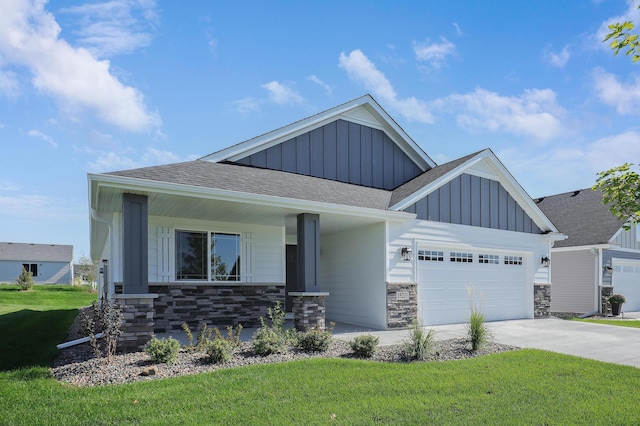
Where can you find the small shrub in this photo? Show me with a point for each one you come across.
(478, 333)
(419, 344)
(364, 346)
(617, 298)
(314, 340)
(220, 351)
(233, 335)
(204, 337)
(189, 334)
(267, 341)
(163, 350)
(106, 318)
(25, 280)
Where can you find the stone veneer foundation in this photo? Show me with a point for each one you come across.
(541, 300)
(605, 292)
(138, 320)
(219, 305)
(308, 310)
(402, 304)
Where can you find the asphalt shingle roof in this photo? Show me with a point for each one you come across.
(253, 180)
(36, 252)
(581, 216)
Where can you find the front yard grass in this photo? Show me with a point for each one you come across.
(33, 322)
(618, 322)
(520, 387)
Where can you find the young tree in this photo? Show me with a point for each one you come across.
(620, 188)
(622, 38)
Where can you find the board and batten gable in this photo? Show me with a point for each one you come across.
(474, 201)
(627, 239)
(343, 151)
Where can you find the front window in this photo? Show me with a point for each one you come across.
(31, 267)
(207, 256)
(225, 257)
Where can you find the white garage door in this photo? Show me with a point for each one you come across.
(626, 281)
(446, 275)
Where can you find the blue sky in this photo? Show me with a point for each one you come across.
(97, 86)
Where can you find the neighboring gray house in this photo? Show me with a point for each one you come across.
(597, 254)
(342, 211)
(49, 263)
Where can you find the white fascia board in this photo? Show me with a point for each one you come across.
(507, 180)
(259, 143)
(143, 185)
(580, 248)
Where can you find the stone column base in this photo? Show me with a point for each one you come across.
(138, 321)
(308, 310)
(541, 300)
(605, 292)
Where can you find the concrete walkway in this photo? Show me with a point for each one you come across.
(608, 343)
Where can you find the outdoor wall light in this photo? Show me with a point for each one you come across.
(407, 253)
(545, 261)
(608, 269)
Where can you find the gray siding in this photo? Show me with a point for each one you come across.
(573, 282)
(628, 239)
(607, 255)
(475, 201)
(342, 151)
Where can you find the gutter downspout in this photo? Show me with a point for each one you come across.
(77, 341)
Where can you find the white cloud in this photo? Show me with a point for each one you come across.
(569, 166)
(281, 94)
(6, 185)
(111, 161)
(50, 209)
(9, 84)
(359, 68)
(246, 105)
(559, 59)
(320, 83)
(434, 53)
(39, 135)
(113, 27)
(535, 113)
(457, 27)
(29, 37)
(624, 97)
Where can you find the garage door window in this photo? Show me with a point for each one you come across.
(489, 258)
(513, 260)
(461, 257)
(431, 255)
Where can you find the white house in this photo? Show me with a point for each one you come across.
(48, 263)
(342, 207)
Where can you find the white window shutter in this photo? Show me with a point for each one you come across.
(247, 257)
(165, 273)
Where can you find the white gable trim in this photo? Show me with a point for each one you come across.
(485, 164)
(364, 110)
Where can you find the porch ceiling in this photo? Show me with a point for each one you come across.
(220, 210)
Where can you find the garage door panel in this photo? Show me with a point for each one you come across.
(626, 281)
(443, 292)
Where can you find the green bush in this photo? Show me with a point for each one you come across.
(364, 346)
(419, 344)
(163, 350)
(25, 280)
(220, 351)
(314, 340)
(477, 330)
(233, 335)
(267, 341)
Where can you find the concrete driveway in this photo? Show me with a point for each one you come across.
(608, 343)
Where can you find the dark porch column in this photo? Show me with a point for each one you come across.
(308, 252)
(135, 257)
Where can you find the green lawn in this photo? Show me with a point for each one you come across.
(33, 322)
(620, 323)
(520, 387)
